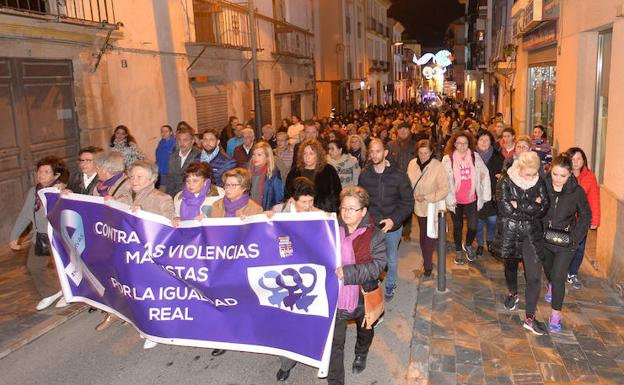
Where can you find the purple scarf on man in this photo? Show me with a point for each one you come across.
(190, 207)
(348, 295)
(231, 207)
(103, 186)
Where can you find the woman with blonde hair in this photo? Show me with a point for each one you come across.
(267, 188)
(312, 163)
(522, 200)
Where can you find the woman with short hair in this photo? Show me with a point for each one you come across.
(363, 258)
(143, 175)
(236, 202)
(357, 148)
(522, 201)
(50, 171)
(199, 194)
(346, 165)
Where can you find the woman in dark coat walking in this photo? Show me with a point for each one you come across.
(569, 212)
(522, 201)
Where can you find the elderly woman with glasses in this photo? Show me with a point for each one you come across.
(236, 202)
(363, 258)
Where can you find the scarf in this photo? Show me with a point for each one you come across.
(423, 165)
(208, 157)
(190, 207)
(514, 175)
(487, 154)
(38, 202)
(103, 186)
(261, 173)
(348, 295)
(231, 207)
(460, 162)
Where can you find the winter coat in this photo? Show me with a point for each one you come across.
(401, 152)
(151, 200)
(433, 184)
(28, 215)
(348, 169)
(481, 180)
(163, 150)
(370, 261)
(390, 194)
(569, 209)
(76, 184)
(220, 164)
(494, 166)
(272, 191)
(588, 182)
(213, 194)
(515, 224)
(242, 156)
(327, 185)
(175, 182)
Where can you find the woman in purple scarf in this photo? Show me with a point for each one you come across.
(363, 258)
(236, 202)
(199, 194)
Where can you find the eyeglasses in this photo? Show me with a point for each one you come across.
(350, 210)
(231, 185)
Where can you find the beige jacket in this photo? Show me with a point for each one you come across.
(120, 189)
(433, 184)
(152, 200)
(251, 208)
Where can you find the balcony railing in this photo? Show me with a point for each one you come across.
(98, 11)
(221, 23)
(293, 42)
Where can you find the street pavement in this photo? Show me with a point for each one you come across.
(461, 336)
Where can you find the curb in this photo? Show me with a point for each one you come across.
(40, 329)
(414, 366)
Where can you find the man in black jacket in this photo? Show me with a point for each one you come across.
(84, 182)
(184, 154)
(391, 201)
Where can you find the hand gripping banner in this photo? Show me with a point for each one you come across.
(258, 286)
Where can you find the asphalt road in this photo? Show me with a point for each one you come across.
(74, 353)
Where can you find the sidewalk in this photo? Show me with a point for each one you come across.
(466, 336)
(20, 323)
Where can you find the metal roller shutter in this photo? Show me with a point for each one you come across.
(212, 108)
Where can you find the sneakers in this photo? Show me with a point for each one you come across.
(459, 258)
(48, 301)
(479, 251)
(548, 295)
(148, 344)
(534, 326)
(61, 303)
(574, 281)
(511, 302)
(389, 295)
(554, 326)
(471, 256)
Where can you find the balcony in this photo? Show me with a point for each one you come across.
(293, 41)
(69, 11)
(223, 24)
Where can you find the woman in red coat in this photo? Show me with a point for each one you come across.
(587, 180)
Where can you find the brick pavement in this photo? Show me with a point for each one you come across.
(466, 336)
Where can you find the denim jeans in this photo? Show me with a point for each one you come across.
(393, 238)
(490, 222)
(575, 265)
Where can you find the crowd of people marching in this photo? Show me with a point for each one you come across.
(375, 168)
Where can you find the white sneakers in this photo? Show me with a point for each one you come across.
(149, 344)
(61, 303)
(47, 301)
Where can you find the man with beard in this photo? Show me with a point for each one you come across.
(212, 154)
(391, 201)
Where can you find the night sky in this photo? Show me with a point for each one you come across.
(426, 20)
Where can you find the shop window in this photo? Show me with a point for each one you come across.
(603, 69)
(541, 98)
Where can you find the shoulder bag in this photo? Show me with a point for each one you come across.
(373, 306)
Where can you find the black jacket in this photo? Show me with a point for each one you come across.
(175, 182)
(364, 274)
(390, 194)
(569, 209)
(327, 185)
(401, 152)
(515, 224)
(76, 184)
(494, 165)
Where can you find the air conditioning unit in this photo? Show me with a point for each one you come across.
(533, 14)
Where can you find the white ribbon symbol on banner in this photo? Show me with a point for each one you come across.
(76, 269)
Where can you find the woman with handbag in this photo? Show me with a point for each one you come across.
(49, 172)
(363, 258)
(430, 185)
(565, 225)
(522, 201)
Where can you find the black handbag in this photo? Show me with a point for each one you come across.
(42, 244)
(556, 237)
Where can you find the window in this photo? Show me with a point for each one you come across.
(541, 98)
(359, 29)
(348, 25)
(602, 102)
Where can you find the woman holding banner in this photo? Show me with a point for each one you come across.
(363, 258)
(49, 171)
(199, 194)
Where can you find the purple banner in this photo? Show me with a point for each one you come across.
(259, 286)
